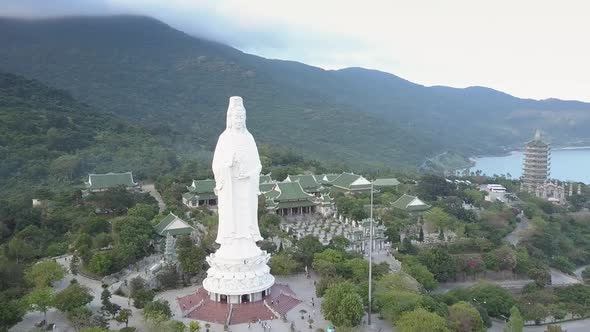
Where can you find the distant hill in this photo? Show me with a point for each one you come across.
(48, 138)
(177, 86)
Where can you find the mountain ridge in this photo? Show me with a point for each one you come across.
(131, 66)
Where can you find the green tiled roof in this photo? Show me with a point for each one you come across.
(319, 178)
(386, 182)
(290, 191)
(272, 194)
(173, 225)
(308, 182)
(347, 181)
(202, 186)
(189, 195)
(265, 178)
(266, 187)
(326, 199)
(405, 201)
(332, 177)
(110, 180)
(292, 204)
(287, 195)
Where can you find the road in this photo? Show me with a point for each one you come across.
(521, 228)
(582, 325)
(151, 189)
(95, 287)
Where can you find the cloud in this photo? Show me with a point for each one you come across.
(529, 48)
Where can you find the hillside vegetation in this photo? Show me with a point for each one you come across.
(177, 86)
(48, 138)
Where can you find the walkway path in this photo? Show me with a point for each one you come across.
(571, 326)
(151, 189)
(521, 228)
(95, 287)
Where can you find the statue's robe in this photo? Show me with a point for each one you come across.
(236, 165)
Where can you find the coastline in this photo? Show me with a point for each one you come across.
(511, 151)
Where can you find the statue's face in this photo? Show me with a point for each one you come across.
(238, 120)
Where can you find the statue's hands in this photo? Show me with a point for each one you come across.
(243, 176)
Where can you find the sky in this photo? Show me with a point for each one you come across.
(528, 48)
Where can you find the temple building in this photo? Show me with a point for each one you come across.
(308, 182)
(200, 193)
(537, 164)
(385, 183)
(411, 204)
(351, 183)
(552, 192)
(289, 199)
(172, 225)
(102, 182)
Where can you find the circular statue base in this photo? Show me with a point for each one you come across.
(238, 280)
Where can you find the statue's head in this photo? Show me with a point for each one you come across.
(236, 114)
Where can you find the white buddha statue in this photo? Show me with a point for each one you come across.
(237, 167)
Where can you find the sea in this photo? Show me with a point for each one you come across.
(567, 164)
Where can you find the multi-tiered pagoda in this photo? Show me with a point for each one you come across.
(537, 164)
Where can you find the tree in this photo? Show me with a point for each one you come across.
(190, 257)
(11, 312)
(465, 317)
(175, 326)
(145, 211)
(432, 186)
(157, 311)
(45, 273)
(420, 320)
(168, 276)
(421, 274)
(437, 217)
(194, 326)
(108, 306)
(20, 249)
(439, 262)
(586, 275)
(101, 263)
(283, 264)
(327, 262)
(75, 264)
(342, 305)
(79, 317)
(123, 316)
(554, 328)
(421, 235)
(74, 296)
(339, 242)
(40, 299)
(307, 247)
(516, 322)
(133, 233)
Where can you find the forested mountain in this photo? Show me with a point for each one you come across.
(177, 86)
(48, 137)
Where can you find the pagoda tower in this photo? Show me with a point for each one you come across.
(537, 164)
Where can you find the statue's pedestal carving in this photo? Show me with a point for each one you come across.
(239, 279)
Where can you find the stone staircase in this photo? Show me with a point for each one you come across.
(283, 303)
(250, 312)
(211, 311)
